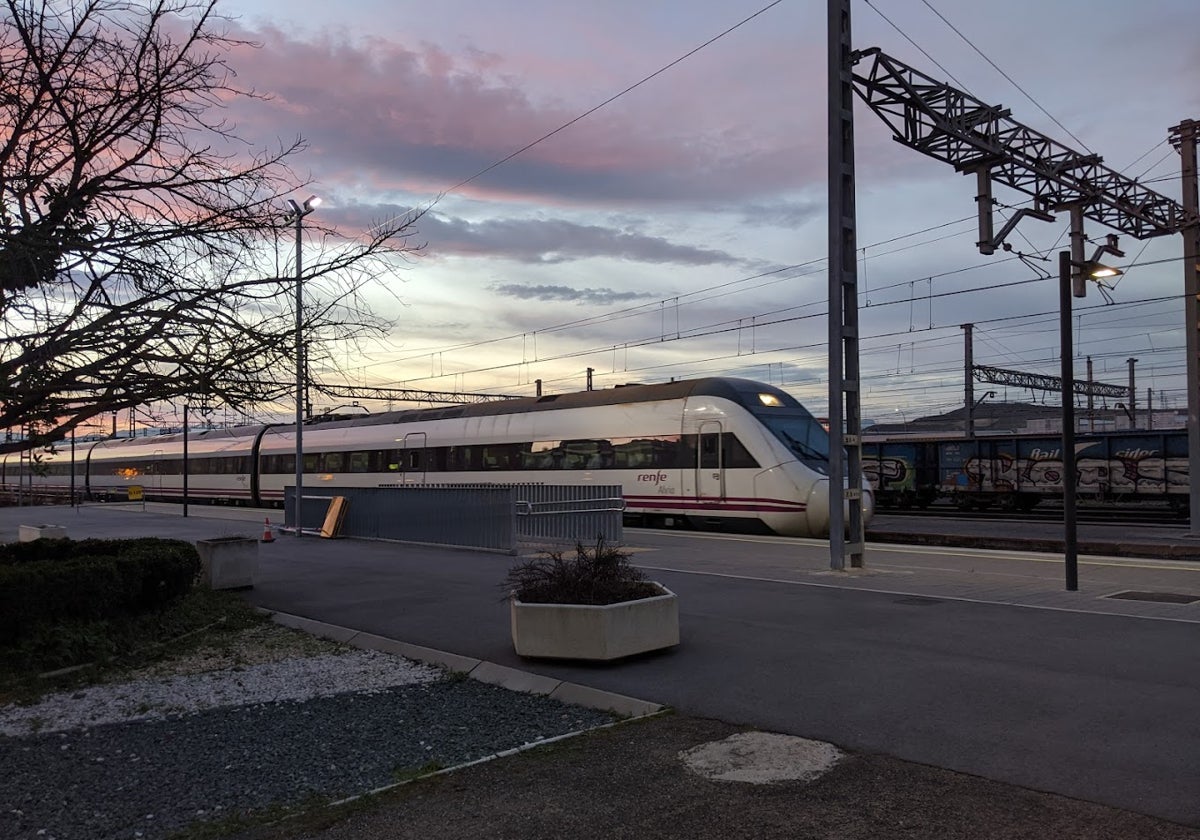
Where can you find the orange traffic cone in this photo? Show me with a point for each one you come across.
(268, 534)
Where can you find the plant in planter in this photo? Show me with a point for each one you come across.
(595, 605)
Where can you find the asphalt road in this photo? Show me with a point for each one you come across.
(1099, 707)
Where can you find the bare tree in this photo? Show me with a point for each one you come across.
(140, 244)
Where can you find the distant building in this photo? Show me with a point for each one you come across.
(1004, 418)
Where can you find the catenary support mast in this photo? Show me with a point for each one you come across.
(846, 532)
(1184, 136)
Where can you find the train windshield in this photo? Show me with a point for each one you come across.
(802, 434)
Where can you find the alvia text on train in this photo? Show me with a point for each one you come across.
(717, 453)
(1019, 471)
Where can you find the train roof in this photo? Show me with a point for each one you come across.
(729, 388)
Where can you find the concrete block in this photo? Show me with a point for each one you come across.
(228, 562)
(29, 533)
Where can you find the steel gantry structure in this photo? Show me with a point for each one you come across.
(1040, 382)
(977, 138)
(974, 137)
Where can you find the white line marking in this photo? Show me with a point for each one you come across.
(935, 596)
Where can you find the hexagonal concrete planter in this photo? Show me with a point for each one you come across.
(581, 631)
(228, 562)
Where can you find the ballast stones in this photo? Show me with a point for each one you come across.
(761, 758)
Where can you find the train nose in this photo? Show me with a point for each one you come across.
(818, 507)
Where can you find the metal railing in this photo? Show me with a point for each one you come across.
(570, 513)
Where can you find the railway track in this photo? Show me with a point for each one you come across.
(1109, 515)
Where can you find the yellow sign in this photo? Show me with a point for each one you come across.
(135, 493)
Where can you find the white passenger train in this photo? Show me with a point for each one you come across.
(714, 453)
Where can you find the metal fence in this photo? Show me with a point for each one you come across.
(494, 517)
(469, 517)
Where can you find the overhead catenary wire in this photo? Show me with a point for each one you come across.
(1007, 77)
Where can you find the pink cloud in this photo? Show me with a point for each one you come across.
(387, 116)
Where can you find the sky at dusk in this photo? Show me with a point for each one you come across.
(680, 230)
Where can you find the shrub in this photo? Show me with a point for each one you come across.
(595, 576)
(47, 582)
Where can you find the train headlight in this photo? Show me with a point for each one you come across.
(770, 400)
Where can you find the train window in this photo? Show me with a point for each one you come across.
(541, 455)
(360, 462)
(462, 458)
(734, 454)
(501, 456)
(802, 434)
(311, 462)
(413, 459)
(710, 457)
(435, 459)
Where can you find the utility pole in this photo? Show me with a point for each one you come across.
(968, 381)
(589, 378)
(1184, 137)
(1132, 394)
(1091, 398)
(846, 533)
(1067, 361)
(1149, 409)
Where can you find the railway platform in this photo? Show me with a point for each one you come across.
(1127, 539)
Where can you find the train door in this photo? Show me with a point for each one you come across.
(152, 481)
(710, 470)
(414, 463)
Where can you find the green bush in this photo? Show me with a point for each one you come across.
(51, 582)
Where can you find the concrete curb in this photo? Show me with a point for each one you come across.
(477, 669)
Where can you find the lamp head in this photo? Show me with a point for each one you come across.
(1099, 271)
(297, 211)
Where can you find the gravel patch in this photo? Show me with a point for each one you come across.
(292, 679)
(761, 758)
(249, 739)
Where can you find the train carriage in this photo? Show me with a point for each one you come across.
(1020, 471)
(715, 453)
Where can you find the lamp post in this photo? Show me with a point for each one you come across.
(297, 214)
(186, 409)
(1072, 277)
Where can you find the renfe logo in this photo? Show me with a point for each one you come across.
(653, 478)
(1045, 454)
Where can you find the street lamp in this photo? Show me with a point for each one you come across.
(1073, 282)
(297, 214)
